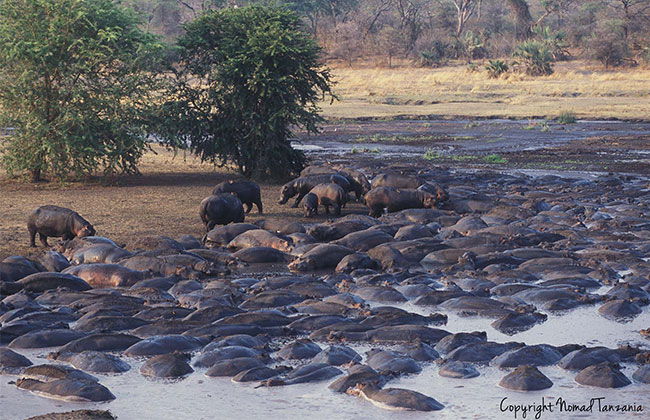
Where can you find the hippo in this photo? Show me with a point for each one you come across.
(107, 275)
(482, 351)
(310, 205)
(100, 342)
(642, 374)
(458, 370)
(330, 195)
(247, 191)
(357, 374)
(300, 349)
(357, 179)
(602, 375)
(619, 310)
(46, 338)
(536, 355)
(395, 181)
(12, 362)
(394, 200)
(260, 373)
(260, 237)
(392, 363)
(304, 184)
(221, 209)
(337, 355)
(337, 229)
(320, 257)
(56, 221)
(311, 372)
(94, 361)
(526, 378)
(234, 366)
(163, 344)
(40, 282)
(98, 253)
(395, 398)
(172, 365)
(53, 261)
(68, 389)
(261, 254)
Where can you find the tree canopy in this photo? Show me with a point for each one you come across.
(246, 78)
(74, 86)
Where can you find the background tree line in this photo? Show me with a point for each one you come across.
(615, 32)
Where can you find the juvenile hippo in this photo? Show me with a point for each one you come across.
(221, 209)
(303, 185)
(394, 200)
(247, 191)
(58, 222)
(310, 205)
(330, 195)
(395, 398)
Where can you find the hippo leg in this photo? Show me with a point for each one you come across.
(249, 207)
(337, 210)
(327, 209)
(43, 239)
(259, 206)
(298, 199)
(32, 238)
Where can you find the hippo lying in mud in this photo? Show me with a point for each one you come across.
(303, 185)
(247, 191)
(395, 181)
(57, 222)
(394, 199)
(221, 209)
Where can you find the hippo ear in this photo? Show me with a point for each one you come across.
(231, 181)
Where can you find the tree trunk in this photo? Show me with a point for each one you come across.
(35, 175)
(523, 19)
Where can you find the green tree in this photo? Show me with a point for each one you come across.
(247, 77)
(73, 86)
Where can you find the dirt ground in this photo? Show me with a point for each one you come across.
(164, 200)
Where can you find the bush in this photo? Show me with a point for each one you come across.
(496, 68)
(608, 47)
(435, 56)
(555, 41)
(536, 57)
(566, 117)
(248, 78)
(76, 84)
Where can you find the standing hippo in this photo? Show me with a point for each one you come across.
(330, 195)
(394, 199)
(304, 184)
(247, 191)
(221, 209)
(358, 181)
(395, 181)
(310, 205)
(57, 221)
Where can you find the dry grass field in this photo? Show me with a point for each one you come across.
(455, 92)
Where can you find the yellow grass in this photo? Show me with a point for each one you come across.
(454, 91)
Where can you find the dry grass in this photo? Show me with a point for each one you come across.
(163, 201)
(455, 91)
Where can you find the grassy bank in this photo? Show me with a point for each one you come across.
(455, 91)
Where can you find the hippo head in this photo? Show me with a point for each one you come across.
(430, 201)
(87, 230)
(286, 193)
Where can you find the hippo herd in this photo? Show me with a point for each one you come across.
(278, 303)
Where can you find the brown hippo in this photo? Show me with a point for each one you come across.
(247, 191)
(107, 275)
(57, 221)
(221, 209)
(357, 179)
(330, 195)
(310, 205)
(260, 237)
(395, 181)
(394, 200)
(304, 184)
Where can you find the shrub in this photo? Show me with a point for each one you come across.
(609, 48)
(536, 57)
(435, 56)
(431, 154)
(496, 68)
(494, 158)
(566, 117)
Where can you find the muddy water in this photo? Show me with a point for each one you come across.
(201, 397)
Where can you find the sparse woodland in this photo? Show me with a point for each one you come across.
(431, 32)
